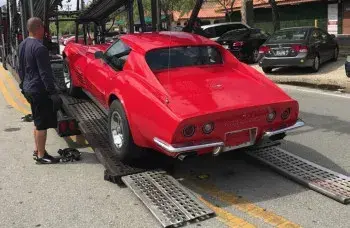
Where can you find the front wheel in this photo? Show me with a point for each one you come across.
(119, 134)
(254, 57)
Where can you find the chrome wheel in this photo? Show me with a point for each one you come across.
(67, 79)
(255, 56)
(117, 129)
(316, 63)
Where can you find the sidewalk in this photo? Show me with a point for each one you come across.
(331, 76)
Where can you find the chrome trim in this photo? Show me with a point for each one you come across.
(298, 124)
(173, 149)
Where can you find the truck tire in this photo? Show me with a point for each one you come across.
(119, 134)
(70, 88)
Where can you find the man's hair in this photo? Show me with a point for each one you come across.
(34, 24)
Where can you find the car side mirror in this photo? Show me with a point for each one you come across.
(98, 55)
(119, 64)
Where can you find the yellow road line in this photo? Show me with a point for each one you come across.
(10, 100)
(13, 88)
(245, 206)
(227, 218)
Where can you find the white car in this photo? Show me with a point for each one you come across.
(214, 31)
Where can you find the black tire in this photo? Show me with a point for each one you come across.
(316, 66)
(267, 70)
(128, 150)
(254, 56)
(348, 74)
(335, 54)
(71, 90)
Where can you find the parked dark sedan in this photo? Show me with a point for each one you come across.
(299, 47)
(347, 67)
(244, 43)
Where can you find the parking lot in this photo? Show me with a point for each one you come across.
(242, 192)
(331, 76)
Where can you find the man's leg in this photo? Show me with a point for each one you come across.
(41, 136)
(35, 140)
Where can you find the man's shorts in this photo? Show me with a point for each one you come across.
(43, 113)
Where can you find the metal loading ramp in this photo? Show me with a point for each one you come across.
(316, 177)
(171, 203)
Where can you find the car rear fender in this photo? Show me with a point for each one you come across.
(147, 115)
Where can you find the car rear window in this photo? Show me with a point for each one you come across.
(289, 35)
(183, 57)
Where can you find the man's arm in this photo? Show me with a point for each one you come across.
(20, 69)
(44, 67)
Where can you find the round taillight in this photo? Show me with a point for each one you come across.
(188, 131)
(271, 116)
(285, 114)
(208, 128)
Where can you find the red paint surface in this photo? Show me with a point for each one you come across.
(233, 95)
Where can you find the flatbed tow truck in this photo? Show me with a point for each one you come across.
(170, 202)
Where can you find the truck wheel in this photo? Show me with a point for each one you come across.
(120, 135)
(267, 70)
(71, 89)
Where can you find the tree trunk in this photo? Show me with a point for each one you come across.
(247, 13)
(275, 15)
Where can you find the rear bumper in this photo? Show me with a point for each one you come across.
(298, 61)
(218, 146)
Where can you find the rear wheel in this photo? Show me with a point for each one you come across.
(70, 88)
(335, 54)
(120, 135)
(316, 65)
(267, 70)
(348, 74)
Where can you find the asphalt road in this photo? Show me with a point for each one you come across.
(242, 193)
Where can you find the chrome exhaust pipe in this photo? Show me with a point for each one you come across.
(183, 156)
(217, 150)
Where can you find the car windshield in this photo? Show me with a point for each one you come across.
(289, 35)
(183, 56)
(235, 34)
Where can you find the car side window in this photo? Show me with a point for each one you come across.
(117, 54)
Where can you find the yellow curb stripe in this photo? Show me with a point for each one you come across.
(10, 100)
(14, 88)
(227, 218)
(246, 206)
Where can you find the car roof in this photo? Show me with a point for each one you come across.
(225, 23)
(144, 42)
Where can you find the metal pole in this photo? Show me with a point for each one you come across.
(131, 15)
(154, 15)
(23, 18)
(31, 8)
(142, 15)
(159, 16)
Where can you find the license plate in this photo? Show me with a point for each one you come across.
(234, 139)
(281, 52)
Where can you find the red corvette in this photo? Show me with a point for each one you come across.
(178, 93)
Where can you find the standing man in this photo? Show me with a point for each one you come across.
(37, 85)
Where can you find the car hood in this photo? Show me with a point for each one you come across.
(202, 90)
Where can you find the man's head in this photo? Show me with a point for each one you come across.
(35, 27)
